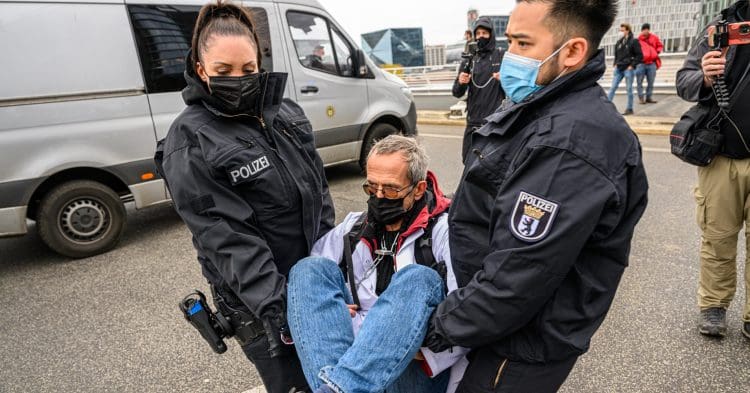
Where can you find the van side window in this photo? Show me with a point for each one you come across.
(163, 34)
(318, 46)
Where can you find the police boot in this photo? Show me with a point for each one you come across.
(713, 322)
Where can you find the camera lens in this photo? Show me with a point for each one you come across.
(745, 29)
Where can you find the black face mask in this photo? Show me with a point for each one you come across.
(238, 94)
(385, 211)
(483, 44)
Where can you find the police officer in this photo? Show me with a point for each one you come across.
(245, 177)
(482, 80)
(722, 193)
(543, 218)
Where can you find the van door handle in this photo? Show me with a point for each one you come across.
(309, 89)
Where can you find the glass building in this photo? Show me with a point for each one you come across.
(402, 47)
(674, 21)
(710, 9)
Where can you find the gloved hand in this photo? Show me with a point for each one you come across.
(279, 338)
(433, 340)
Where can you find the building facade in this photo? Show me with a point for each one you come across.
(434, 55)
(401, 47)
(674, 21)
(710, 9)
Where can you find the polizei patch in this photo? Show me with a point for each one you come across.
(532, 217)
(247, 171)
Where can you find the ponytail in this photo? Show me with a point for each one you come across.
(225, 19)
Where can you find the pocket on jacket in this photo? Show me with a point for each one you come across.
(485, 372)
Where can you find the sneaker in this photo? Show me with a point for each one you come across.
(746, 329)
(713, 322)
(628, 112)
(641, 100)
(650, 101)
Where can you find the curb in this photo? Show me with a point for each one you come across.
(641, 126)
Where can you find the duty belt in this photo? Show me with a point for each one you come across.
(246, 326)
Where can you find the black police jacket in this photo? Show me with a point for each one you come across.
(484, 101)
(690, 84)
(628, 52)
(541, 224)
(251, 190)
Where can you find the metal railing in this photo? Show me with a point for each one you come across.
(438, 80)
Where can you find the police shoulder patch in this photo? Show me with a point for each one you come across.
(532, 217)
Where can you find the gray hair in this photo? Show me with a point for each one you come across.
(413, 153)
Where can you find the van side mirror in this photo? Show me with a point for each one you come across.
(362, 70)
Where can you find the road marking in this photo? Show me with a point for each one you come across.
(441, 136)
(647, 149)
(656, 150)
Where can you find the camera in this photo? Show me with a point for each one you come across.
(728, 34)
(225, 322)
(469, 57)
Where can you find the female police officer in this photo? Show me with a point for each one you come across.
(244, 175)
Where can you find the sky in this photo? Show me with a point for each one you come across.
(442, 22)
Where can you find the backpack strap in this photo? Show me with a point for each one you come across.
(426, 257)
(351, 239)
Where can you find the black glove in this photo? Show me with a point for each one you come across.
(279, 338)
(434, 340)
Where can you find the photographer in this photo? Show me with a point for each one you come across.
(480, 73)
(722, 192)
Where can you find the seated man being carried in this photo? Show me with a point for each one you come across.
(358, 308)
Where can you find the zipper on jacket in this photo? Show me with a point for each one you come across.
(500, 372)
(292, 138)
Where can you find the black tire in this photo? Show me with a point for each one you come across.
(374, 134)
(81, 218)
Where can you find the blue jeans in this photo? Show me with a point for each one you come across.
(628, 75)
(381, 356)
(647, 71)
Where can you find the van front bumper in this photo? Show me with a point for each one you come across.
(13, 221)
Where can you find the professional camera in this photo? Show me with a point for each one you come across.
(720, 37)
(728, 34)
(226, 322)
(469, 57)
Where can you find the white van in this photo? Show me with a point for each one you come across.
(86, 90)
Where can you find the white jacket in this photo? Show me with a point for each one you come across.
(331, 246)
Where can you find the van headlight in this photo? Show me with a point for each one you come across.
(407, 92)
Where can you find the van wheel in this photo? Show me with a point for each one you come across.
(81, 218)
(376, 133)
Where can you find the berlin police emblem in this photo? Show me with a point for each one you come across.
(532, 217)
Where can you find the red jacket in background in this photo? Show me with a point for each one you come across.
(651, 46)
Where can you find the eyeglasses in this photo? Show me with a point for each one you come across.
(389, 192)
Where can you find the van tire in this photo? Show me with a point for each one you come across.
(374, 134)
(81, 218)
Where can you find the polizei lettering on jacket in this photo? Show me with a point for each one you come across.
(245, 172)
(532, 217)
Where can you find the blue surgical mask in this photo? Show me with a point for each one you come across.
(518, 74)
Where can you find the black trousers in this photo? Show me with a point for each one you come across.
(470, 128)
(489, 372)
(280, 374)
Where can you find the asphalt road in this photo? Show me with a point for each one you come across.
(110, 323)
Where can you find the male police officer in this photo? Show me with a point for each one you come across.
(485, 93)
(722, 193)
(543, 218)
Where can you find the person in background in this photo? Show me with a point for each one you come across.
(627, 57)
(315, 59)
(468, 37)
(722, 193)
(480, 76)
(651, 47)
